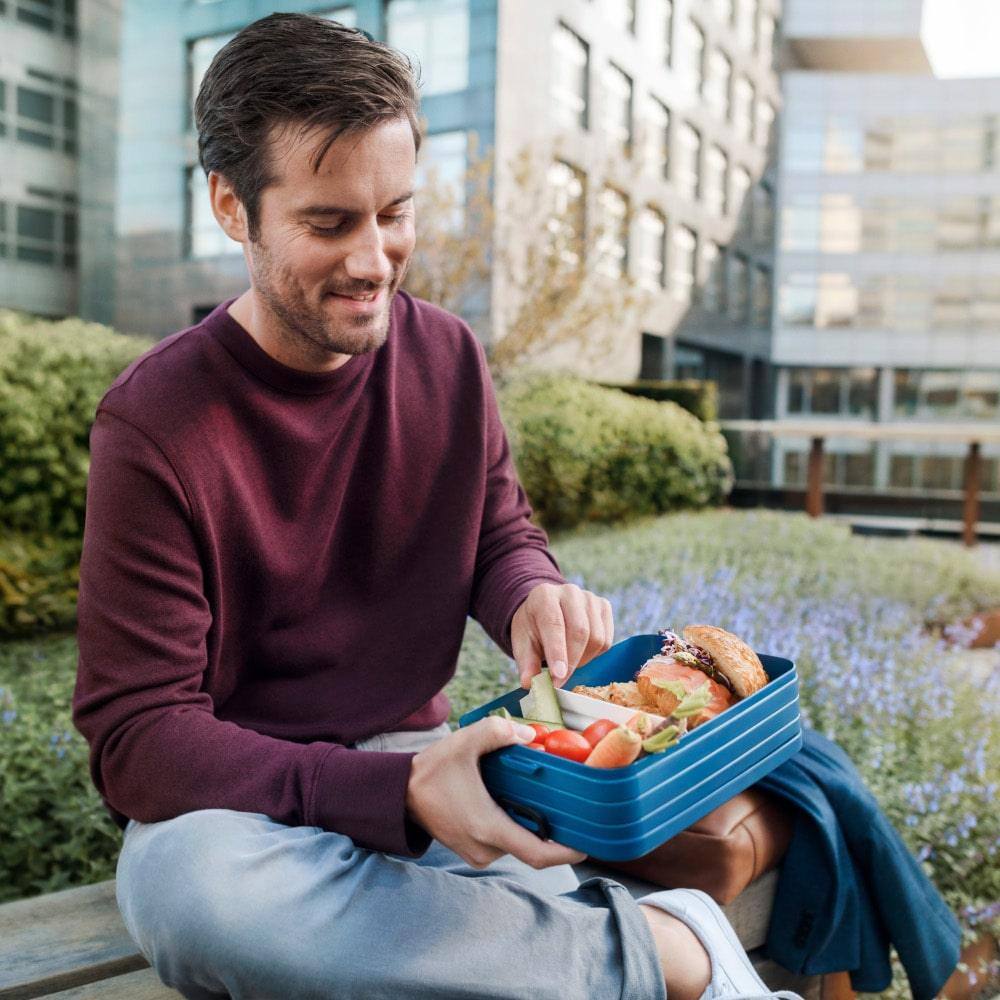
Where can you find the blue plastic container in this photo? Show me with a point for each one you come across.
(621, 813)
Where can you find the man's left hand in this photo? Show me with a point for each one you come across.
(562, 625)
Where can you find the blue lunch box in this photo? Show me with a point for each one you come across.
(617, 814)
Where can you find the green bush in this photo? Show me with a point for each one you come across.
(57, 833)
(52, 376)
(39, 576)
(586, 453)
(699, 398)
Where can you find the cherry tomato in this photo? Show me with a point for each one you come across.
(541, 731)
(596, 731)
(535, 746)
(566, 743)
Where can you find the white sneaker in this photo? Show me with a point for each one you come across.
(733, 975)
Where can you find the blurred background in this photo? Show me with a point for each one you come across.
(799, 203)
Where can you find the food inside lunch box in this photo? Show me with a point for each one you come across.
(694, 677)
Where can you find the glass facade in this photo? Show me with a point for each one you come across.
(570, 78)
(435, 33)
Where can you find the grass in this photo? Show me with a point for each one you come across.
(862, 617)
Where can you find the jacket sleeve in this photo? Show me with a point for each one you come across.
(512, 555)
(157, 750)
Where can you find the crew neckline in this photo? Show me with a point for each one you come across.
(245, 349)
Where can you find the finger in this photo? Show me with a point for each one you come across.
(576, 615)
(514, 839)
(527, 655)
(596, 642)
(549, 628)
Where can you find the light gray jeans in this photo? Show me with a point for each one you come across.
(232, 904)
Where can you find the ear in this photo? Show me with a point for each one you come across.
(227, 207)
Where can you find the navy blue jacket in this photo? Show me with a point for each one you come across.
(849, 887)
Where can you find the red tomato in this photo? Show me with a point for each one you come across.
(565, 743)
(596, 731)
(541, 732)
(535, 746)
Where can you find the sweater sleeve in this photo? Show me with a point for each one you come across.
(512, 556)
(157, 749)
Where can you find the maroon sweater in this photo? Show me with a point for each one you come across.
(278, 563)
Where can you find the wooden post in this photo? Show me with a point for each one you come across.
(973, 463)
(814, 482)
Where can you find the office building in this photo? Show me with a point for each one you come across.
(58, 112)
(657, 115)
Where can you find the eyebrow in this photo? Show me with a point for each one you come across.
(334, 210)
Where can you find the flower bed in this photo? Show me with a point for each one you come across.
(864, 621)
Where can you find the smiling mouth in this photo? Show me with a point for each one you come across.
(365, 297)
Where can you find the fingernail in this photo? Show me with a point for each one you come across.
(524, 732)
(559, 669)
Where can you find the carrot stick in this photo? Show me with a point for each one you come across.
(619, 747)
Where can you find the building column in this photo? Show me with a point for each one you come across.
(883, 415)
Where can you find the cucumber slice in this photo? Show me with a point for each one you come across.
(540, 704)
(504, 714)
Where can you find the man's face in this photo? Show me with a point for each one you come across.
(327, 237)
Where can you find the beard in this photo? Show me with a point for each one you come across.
(305, 324)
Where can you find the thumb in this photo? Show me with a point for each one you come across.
(492, 733)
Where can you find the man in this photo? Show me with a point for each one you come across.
(292, 509)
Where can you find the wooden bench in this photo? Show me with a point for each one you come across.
(72, 945)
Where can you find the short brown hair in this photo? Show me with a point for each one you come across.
(295, 69)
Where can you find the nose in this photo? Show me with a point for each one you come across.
(366, 259)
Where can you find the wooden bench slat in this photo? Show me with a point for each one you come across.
(62, 940)
(142, 985)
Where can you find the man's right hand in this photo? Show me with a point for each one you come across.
(447, 797)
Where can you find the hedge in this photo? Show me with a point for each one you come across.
(699, 398)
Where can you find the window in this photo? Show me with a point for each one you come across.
(763, 216)
(612, 243)
(652, 249)
(861, 392)
(937, 395)
(763, 122)
(55, 16)
(653, 360)
(618, 107)
(3, 229)
(714, 186)
(765, 36)
(567, 223)
(713, 281)
(201, 52)
(744, 96)
(739, 293)
(657, 132)
(682, 270)
(738, 192)
(667, 30)
(691, 56)
(623, 12)
(205, 237)
(442, 164)
(43, 236)
(761, 297)
(570, 78)
(3, 108)
(836, 301)
(725, 11)
(687, 158)
(435, 33)
(717, 77)
(46, 119)
(746, 17)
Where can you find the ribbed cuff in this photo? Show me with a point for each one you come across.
(362, 794)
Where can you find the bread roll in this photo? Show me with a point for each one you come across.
(732, 656)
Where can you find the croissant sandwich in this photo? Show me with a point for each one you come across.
(695, 676)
